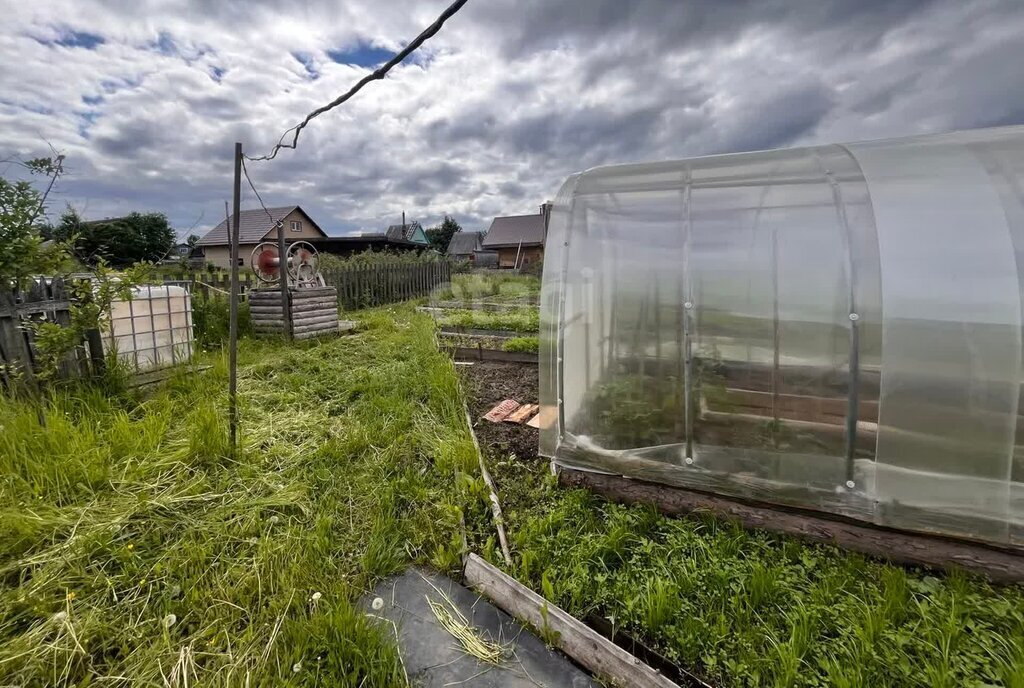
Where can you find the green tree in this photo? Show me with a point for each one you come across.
(24, 250)
(121, 241)
(441, 235)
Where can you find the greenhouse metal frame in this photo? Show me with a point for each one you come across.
(835, 328)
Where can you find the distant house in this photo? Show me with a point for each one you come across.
(183, 252)
(518, 239)
(255, 226)
(404, 237)
(464, 245)
(412, 232)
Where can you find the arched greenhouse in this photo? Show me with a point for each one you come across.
(835, 327)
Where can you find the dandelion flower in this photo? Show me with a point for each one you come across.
(316, 596)
(297, 667)
(71, 595)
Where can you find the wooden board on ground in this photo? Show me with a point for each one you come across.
(897, 546)
(522, 414)
(501, 411)
(570, 635)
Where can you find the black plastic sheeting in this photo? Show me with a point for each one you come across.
(434, 658)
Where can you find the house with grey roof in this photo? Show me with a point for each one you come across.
(255, 226)
(465, 245)
(518, 239)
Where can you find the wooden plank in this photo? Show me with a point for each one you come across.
(304, 307)
(312, 334)
(521, 414)
(330, 317)
(451, 329)
(588, 648)
(502, 411)
(316, 313)
(897, 546)
(465, 353)
(317, 327)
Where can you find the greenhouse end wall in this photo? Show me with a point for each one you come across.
(835, 327)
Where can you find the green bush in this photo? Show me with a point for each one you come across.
(366, 258)
(210, 317)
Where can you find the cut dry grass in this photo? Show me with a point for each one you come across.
(134, 549)
(457, 625)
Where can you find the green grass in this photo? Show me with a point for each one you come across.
(133, 545)
(493, 286)
(524, 320)
(135, 549)
(754, 609)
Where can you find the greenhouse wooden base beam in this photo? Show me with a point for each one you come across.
(899, 547)
(586, 646)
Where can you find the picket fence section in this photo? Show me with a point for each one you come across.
(45, 300)
(359, 286)
(364, 286)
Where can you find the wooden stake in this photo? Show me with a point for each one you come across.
(232, 226)
(499, 520)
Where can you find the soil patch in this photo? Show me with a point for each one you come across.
(488, 383)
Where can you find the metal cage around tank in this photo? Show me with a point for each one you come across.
(835, 327)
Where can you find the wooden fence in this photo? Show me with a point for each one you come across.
(374, 285)
(359, 286)
(46, 300)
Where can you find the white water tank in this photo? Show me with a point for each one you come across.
(153, 329)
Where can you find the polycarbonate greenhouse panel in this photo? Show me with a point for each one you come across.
(835, 327)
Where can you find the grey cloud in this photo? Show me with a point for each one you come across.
(514, 97)
(673, 25)
(780, 120)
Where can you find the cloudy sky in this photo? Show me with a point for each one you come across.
(146, 98)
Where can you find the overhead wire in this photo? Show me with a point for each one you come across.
(259, 198)
(377, 74)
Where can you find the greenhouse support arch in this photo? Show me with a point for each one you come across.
(835, 328)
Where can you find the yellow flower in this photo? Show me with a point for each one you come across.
(142, 582)
(130, 547)
(71, 595)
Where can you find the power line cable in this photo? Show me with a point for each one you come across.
(379, 73)
(253, 187)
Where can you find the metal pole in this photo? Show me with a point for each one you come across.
(286, 311)
(232, 226)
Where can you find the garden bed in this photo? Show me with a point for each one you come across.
(489, 383)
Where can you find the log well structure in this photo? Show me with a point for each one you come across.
(313, 312)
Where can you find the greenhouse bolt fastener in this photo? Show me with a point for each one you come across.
(854, 317)
(688, 305)
(689, 461)
(850, 484)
